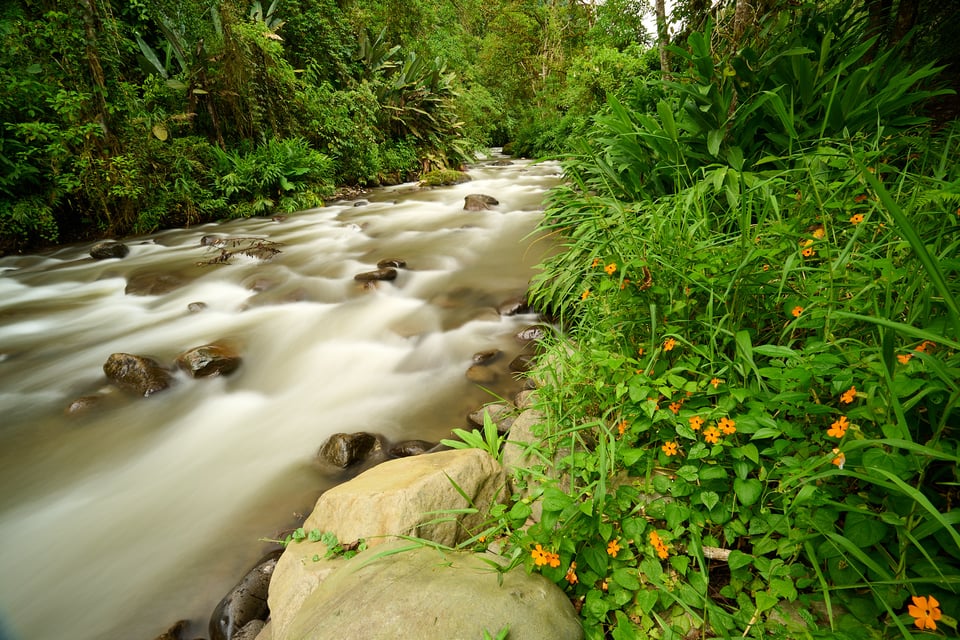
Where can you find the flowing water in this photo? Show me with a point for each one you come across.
(117, 522)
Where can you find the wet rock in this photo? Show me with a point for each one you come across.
(174, 632)
(499, 413)
(209, 360)
(396, 263)
(532, 334)
(486, 357)
(388, 273)
(345, 449)
(152, 284)
(196, 307)
(503, 163)
(212, 241)
(514, 306)
(409, 448)
(479, 202)
(83, 405)
(522, 363)
(361, 203)
(109, 249)
(480, 374)
(250, 630)
(136, 374)
(246, 602)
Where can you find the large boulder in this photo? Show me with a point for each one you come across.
(427, 594)
(209, 360)
(405, 497)
(136, 374)
(400, 497)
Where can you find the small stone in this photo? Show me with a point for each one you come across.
(486, 357)
(514, 306)
(531, 334)
(481, 375)
(109, 249)
(345, 449)
(409, 448)
(209, 360)
(196, 307)
(479, 202)
(83, 404)
(388, 273)
(396, 263)
(522, 363)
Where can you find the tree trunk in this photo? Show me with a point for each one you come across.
(663, 37)
(91, 26)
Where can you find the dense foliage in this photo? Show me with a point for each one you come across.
(751, 406)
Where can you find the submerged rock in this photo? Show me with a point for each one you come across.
(209, 360)
(387, 273)
(137, 374)
(410, 448)
(396, 263)
(152, 284)
(481, 374)
(486, 357)
(514, 306)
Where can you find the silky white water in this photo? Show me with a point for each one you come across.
(142, 511)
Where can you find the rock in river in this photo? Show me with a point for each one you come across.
(137, 374)
(209, 360)
(246, 602)
(345, 449)
(109, 249)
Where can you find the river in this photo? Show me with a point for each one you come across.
(142, 511)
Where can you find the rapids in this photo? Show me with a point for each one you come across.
(118, 522)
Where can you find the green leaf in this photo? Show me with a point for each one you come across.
(738, 559)
(709, 499)
(765, 601)
(626, 578)
(714, 138)
(748, 491)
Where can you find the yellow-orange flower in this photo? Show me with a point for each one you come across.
(839, 428)
(669, 448)
(819, 233)
(856, 218)
(766, 267)
(541, 557)
(809, 252)
(610, 268)
(727, 425)
(839, 458)
(715, 382)
(571, 576)
(926, 346)
(796, 311)
(847, 396)
(659, 545)
(669, 344)
(925, 612)
(613, 548)
(675, 407)
(622, 426)
(712, 435)
(904, 358)
(696, 422)
(595, 263)
(586, 292)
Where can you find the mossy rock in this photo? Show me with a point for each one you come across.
(443, 177)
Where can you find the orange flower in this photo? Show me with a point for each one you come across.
(696, 422)
(623, 285)
(669, 344)
(669, 448)
(622, 427)
(595, 263)
(766, 267)
(926, 346)
(715, 382)
(571, 576)
(728, 426)
(925, 611)
(839, 428)
(712, 435)
(840, 459)
(847, 396)
(553, 559)
(641, 351)
(797, 310)
(819, 233)
(539, 556)
(659, 545)
(809, 252)
(904, 358)
(610, 268)
(586, 292)
(856, 218)
(675, 407)
(613, 548)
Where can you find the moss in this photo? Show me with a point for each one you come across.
(441, 177)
